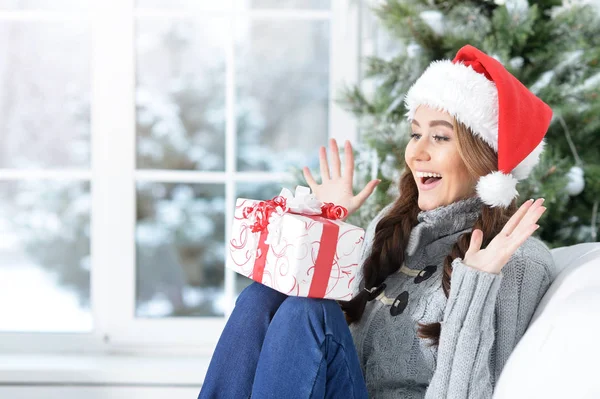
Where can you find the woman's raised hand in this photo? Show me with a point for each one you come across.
(335, 187)
(518, 228)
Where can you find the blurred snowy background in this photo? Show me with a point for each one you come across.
(281, 100)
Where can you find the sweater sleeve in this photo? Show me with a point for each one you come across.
(485, 317)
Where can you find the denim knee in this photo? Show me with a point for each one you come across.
(259, 293)
(300, 308)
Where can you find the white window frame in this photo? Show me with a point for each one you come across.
(113, 176)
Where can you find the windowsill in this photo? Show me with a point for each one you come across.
(28, 369)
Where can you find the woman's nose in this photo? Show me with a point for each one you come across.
(421, 150)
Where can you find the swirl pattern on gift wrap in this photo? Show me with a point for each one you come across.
(281, 270)
(357, 242)
(240, 244)
(281, 282)
(242, 250)
(239, 215)
(342, 268)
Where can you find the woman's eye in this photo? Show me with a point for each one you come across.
(440, 138)
(415, 136)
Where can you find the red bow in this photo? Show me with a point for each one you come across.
(262, 211)
(333, 212)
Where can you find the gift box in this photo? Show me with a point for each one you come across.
(296, 245)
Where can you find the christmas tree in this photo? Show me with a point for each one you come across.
(553, 48)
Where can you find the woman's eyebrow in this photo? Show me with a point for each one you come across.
(435, 123)
(441, 123)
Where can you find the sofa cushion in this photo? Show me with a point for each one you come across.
(558, 355)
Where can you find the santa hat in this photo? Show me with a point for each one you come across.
(481, 94)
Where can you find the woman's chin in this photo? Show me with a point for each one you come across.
(428, 202)
(427, 205)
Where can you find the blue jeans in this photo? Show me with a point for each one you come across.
(275, 346)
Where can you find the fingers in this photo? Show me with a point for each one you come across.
(476, 241)
(335, 159)
(526, 227)
(516, 218)
(309, 179)
(348, 161)
(533, 215)
(530, 217)
(366, 192)
(520, 237)
(324, 166)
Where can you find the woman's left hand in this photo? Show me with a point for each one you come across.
(518, 228)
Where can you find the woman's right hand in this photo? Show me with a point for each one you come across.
(334, 187)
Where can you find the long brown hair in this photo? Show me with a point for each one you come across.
(393, 230)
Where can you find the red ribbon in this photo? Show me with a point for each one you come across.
(333, 212)
(261, 257)
(262, 211)
(328, 241)
(325, 258)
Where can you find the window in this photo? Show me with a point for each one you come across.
(45, 167)
(131, 127)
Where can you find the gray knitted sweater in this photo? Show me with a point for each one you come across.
(482, 320)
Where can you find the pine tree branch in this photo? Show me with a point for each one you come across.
(578, 160)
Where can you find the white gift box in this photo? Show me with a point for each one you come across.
(298, 255)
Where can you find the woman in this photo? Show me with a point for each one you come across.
(450, 274)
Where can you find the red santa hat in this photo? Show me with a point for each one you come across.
(480, 93)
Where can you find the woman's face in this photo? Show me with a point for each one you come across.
(432, 155)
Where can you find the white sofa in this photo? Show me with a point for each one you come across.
(559, 355)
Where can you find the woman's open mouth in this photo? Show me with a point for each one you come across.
(428, 180)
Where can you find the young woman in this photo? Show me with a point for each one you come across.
(450, 275)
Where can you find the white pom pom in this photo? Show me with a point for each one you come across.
(497, 189)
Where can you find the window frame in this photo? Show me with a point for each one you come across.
(113, 176)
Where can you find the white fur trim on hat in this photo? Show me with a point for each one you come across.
(465, 94)
(497, 189)
(523, 169)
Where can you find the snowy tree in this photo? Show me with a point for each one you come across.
(554, 49)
